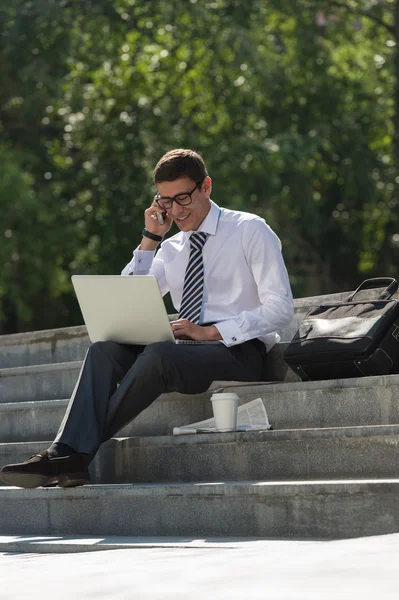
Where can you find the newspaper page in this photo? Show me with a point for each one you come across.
(251, 416)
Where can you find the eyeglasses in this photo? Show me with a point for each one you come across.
(183, 199)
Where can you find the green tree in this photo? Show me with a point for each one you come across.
(292, 105)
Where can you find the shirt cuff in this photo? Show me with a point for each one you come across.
(142, 261)
(230, 332)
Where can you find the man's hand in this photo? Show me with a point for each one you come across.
(152, 225)
(184, 329)
(151, 222)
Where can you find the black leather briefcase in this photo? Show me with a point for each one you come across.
(349, 339)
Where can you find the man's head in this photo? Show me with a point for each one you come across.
(181, 175)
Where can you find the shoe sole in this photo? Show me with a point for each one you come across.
(73, 479)
(33, 480)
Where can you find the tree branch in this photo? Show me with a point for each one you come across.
(363, 13)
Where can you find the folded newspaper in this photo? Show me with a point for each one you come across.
(251, 416)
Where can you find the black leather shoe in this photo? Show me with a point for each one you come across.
(42, 469)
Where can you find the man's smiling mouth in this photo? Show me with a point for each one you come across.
(182, 218)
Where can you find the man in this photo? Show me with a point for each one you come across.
(227, 278)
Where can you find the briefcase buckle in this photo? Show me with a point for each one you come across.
(395, 333)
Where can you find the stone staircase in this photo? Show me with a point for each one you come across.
(327, 470)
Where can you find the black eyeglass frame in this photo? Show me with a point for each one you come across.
(159, 198)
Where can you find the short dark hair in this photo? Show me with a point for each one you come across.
(180, 162)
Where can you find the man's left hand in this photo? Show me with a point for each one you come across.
(184, 329)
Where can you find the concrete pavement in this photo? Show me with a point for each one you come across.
(208, 569)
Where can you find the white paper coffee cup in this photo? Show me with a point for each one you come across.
(225, 411)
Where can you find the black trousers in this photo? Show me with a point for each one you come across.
(99, 407)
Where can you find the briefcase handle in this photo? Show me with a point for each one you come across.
(392, 287)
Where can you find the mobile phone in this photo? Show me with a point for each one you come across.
(160, 217)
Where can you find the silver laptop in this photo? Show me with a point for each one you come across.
(124, 309)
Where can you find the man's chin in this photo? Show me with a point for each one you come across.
(183, 225)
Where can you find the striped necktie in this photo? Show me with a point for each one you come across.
(191, 302)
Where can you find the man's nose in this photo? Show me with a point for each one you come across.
(177, 209)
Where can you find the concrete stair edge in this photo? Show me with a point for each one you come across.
(254, 436)
(350, 402)
(81, 329)
(299, 303)
(277, 368)
(80, 543)
(71, 343)
(55, 380)
(297, 509)
(322, 453)
(40, 368)
(241, 488)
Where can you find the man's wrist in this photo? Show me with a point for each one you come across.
(152, 236)
(147, 244)
(150, 240)
(214, 333)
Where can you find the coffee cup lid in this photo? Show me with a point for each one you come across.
(224, 396)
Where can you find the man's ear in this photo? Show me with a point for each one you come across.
(207, 186)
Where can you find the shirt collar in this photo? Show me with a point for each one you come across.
(209, 224)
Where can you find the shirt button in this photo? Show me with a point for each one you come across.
(234, 339)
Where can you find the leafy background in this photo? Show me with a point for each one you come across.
(293, 104)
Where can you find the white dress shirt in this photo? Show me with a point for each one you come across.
(247, 292)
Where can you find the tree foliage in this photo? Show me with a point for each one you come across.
(291, 104)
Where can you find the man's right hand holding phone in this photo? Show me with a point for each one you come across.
(156, 223)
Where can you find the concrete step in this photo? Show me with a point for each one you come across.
(79, 543)
(306, 454)
(348, 402)
(323, 509)
(57, 380)
(70, 343)
(31, 421)
(331, 453)
(43, 347)
(38, 382)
